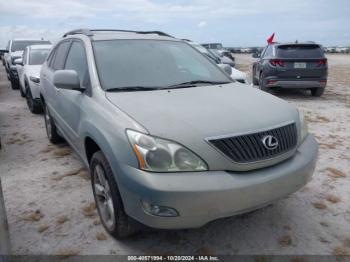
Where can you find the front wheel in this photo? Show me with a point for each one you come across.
(108, 200)
(33, 105)
(318, 91)
(51, 129)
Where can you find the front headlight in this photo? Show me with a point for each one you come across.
(160, 155)
(35, 79)
(303, 127)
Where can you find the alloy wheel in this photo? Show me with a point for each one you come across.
(103, 197)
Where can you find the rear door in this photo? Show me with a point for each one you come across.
(301, 61)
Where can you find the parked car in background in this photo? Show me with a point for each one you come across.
(28, 68)
(291, 65)
(168, 137)
(225, 59)
(216, 58)
(15, 49)
(2, 54)
(216, 46)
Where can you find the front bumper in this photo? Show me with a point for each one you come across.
(200, 197)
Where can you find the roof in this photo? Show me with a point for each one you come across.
(29, 39)
(110, 34)
(36, 47)
(296, 43)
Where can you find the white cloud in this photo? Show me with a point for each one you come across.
(202, 24)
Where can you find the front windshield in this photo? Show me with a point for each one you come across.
(21, 45)
(38, 56)
(151, 63)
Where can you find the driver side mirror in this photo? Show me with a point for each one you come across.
(226, 68)
(67, 79)
(18, 61)
(256, 55)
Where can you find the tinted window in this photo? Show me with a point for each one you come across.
(38, 56)
(60, 56)
(76, 60)
(300, 51)
(151, 63)
(21, 45)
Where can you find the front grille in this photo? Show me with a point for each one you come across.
(250, 148)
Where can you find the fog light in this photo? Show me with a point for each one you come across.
(160, 211)
(271, 82)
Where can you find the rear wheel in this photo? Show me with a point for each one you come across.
(318, 91)
(254, 79)
(33, 105)
(51, 129)
(262, 86)
(108, 200)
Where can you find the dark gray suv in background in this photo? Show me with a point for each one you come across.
(291, 65)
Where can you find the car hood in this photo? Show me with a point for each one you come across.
(33, 70)
(189, 115)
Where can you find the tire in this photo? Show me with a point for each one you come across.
(14, 84)
(50, 126)
(254, 80)
(108, 200)
(262, 86)
(34, 106)
(317, 92)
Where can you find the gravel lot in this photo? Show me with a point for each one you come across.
(50, 207)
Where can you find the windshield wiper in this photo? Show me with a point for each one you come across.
(132, 89)
(195, 82)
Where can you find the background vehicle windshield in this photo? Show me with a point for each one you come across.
(151, 63)
(300, 51)
(37, 57)
(21, 45)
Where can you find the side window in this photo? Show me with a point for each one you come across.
(59, 56)
(76, 60)
(8, 46)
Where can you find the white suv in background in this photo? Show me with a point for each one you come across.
(15, 50)
(28, 68)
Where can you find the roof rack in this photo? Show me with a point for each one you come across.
(90, 32)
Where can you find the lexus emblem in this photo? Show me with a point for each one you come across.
(270, 142)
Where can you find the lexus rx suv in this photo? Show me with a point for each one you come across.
(167, 136)
(15, 48)
(291, 65)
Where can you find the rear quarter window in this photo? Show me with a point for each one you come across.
(300, 51)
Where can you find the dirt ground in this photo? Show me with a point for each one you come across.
(50, 204)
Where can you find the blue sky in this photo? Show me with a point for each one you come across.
(232, 22)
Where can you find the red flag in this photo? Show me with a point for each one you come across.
(270, 39)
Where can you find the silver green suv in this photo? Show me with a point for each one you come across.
(170, 139)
